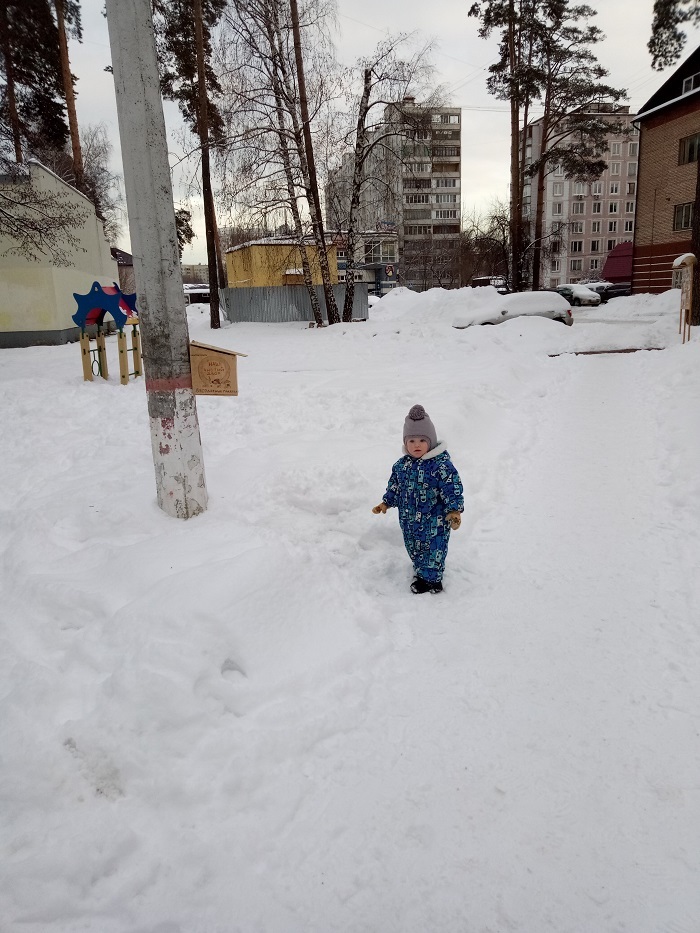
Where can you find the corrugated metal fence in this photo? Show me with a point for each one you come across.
(284, 303)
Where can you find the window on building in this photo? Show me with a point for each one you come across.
(614, 187)
(578, 207)
(418, 230)
(688, 149)
(555, 246)
(612, 226)
(576, 227)
(575, 246)
(597, 187)
(579, 187)
(556, 265)
(417, 198)
(445, 215)
(615, 168)
(631, 187)
(613, 207)
(631, 168)
(445, 182)
(611, 244)
(557, 189)
(595, 226)
(683, 216)
(629, 226)
(615, 149)
(559, 170)
(595, 246)
(453, 118)
(689, 84)
(629, 207)
(633, 150)
(594, 264)
(597, 207)
(576, 265)
(557, 208)
(445, 198)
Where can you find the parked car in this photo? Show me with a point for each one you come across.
(617, 290)
(597, 287)
(196, 294)
(518, 304)
(578, 295)
(498, 282)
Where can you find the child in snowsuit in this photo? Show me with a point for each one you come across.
(427, 490)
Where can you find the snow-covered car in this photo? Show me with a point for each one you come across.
(598, 287)
(518, 304)
(578, 295)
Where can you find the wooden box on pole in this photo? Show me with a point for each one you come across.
(214, 370)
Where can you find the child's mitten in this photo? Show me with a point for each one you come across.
(455, 520)
(380, 509)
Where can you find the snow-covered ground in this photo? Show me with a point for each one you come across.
(246, 723)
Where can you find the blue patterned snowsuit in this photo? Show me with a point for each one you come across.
(424, 491)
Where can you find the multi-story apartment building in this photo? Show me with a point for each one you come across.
(585, 221)
(669, 143)
(412, 186)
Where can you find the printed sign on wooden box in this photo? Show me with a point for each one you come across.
(214, 370)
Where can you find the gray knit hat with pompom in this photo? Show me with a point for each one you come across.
(418, 424)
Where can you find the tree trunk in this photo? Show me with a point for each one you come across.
(208, 197)
(695, 311)
(539, 216)
(516, 219)
(78, 169)
(360, 149)
(172, 407)
(315, 201)
(10, 82)
(278, 89)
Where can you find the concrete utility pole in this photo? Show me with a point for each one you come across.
(177, 450)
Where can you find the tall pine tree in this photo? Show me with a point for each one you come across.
(183, 37)
(546, 62)
(32, 106)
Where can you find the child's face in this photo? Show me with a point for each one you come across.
(417, 446)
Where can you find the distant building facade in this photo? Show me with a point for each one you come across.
(413, 185)
(375, 262)
(195, 273)
(587, 220)
(125, 266)
(670, 137)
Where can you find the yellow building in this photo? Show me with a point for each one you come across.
(36, 296)
(274, 261)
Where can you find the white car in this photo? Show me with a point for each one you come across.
(518, 304)
(579, 295)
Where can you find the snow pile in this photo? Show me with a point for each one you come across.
(247, 721)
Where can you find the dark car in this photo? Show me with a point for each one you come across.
(618, 290)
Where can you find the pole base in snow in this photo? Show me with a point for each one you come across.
(177, 455)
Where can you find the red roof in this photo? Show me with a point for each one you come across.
(618, 265)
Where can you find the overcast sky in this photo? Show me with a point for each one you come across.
(461, 59)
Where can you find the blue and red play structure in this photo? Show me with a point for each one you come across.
(92, 308)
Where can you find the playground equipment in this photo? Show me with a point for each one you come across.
(101, 300)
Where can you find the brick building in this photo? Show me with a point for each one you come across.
(668, 175)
